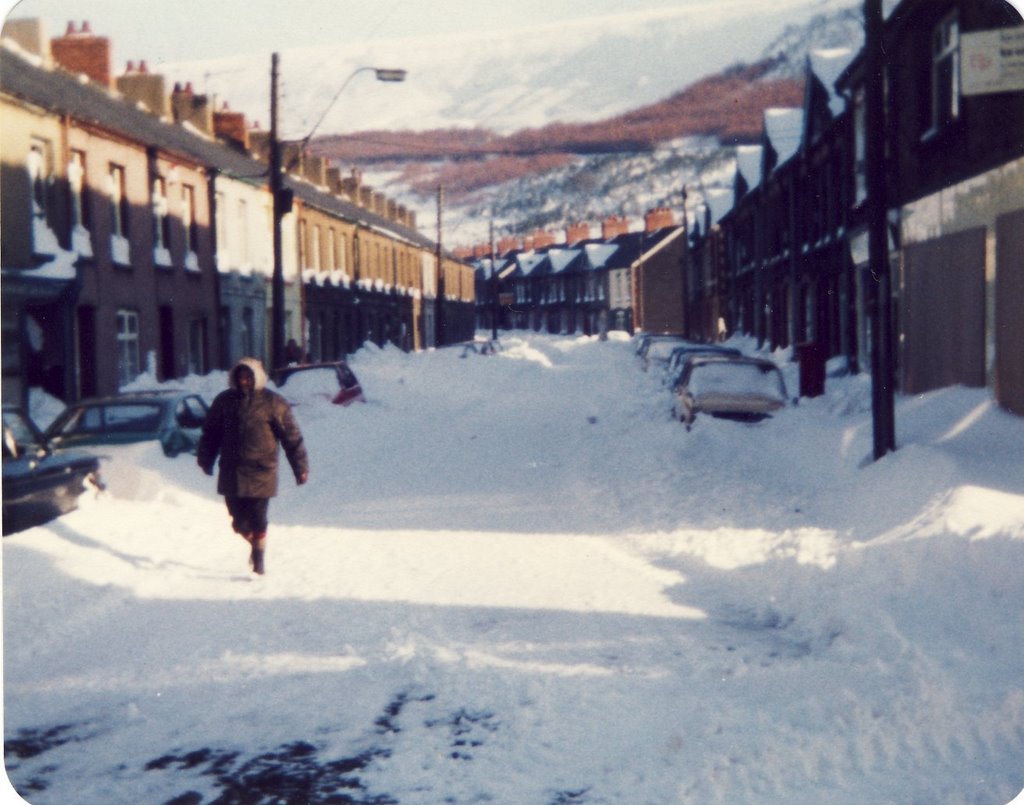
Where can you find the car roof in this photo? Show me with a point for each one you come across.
(293, 367)
(748, 360)
(134, 396)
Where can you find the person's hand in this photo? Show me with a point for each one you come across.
(301, 478)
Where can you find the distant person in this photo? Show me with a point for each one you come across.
(245, 425)
(292, 352)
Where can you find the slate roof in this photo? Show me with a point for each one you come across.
(62, 93)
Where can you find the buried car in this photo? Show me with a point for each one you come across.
(331, 380)
(172, 417)
(747, 389)
(40, 483)
(680, 355)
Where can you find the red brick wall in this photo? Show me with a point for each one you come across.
(81, 52)
(231, 125)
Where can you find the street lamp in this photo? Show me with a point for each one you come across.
(282, 200)
(387, 75)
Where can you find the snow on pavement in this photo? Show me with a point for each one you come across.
(514, 579)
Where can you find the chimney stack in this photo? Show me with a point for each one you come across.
(140, 86)
(30, 35)
(507, 244)
(350, 185)
(187, 107)
(574, 233)
(230, 126)
(542, 239)
(78, 51)
(658, 218)
(613, 226)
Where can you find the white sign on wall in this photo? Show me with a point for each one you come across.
(992, 61)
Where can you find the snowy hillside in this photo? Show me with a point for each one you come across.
(515, 579)
(587, 70)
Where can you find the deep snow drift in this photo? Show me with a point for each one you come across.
(514, 579)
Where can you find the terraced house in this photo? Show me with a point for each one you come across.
(783, 254)
(796, 264)
(137, 233)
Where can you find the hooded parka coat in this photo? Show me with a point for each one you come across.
(245, 430)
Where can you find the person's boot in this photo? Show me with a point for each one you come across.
(251, 539)
(259, 546)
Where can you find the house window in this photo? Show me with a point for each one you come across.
(161, 223)
(118, 201)
(188, 218)
(243, 235)
(860, 149)
(315, 249)
(117, 195)
(332, 249)
(945, 72)
(342, 251)
(197, 346)
(40, 171)
(220, 219)
(76, 188)
(127, 346)
(78, 209)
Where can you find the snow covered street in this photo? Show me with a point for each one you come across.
(514, 579)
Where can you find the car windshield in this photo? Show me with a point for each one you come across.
(20, 428)
(19, 434)
(746, 379)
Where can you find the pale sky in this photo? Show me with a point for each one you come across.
(184, 30)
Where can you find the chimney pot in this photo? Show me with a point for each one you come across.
(130, 67)
(70, 30)
(86, 28)
(143, 67)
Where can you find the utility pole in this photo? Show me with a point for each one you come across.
(276, 187)
(439, 317)
(882, 368)
(687, 270)
(494, 284)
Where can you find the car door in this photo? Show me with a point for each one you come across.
(189, 416)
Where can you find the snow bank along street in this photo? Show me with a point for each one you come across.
(515, 579)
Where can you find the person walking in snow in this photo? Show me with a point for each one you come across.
(245, 426)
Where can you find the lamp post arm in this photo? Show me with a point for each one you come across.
(353, 74)
(388, 75)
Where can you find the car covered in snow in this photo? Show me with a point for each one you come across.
(729, 387)
(40, 482)
(655, 348)
(679, 356)
(479, 346)
(330, 380)
(173, 417)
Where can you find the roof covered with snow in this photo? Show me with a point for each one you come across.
(827, 66)
(748, 164)
(783, 128)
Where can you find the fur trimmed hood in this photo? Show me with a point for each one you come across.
(257, 369)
